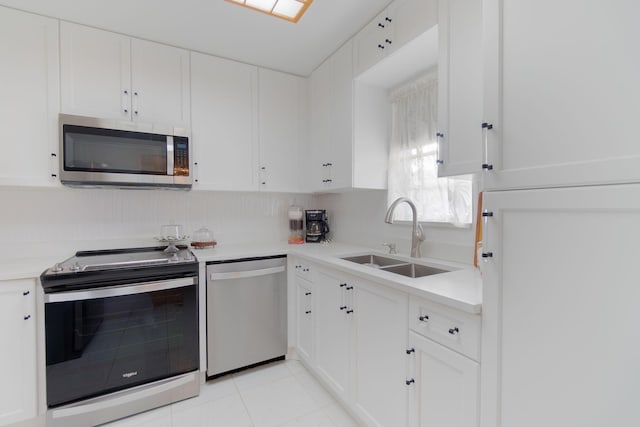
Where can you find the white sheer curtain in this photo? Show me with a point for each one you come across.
(413, 171)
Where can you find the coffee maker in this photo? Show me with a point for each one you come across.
(317, 227)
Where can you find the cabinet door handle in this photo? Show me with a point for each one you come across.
(342, 285)
(307, 293)
(349, 311)
(54, 164)
(387, 41)
(344, 307)
(423, 318)
(307, 312)
(349, 288)
(380, 24)
(27, 317)
(411, 350)
(439, 142)
(409, 382)
(25, 293)
(486, 127)
(380, 46)
(454, 330)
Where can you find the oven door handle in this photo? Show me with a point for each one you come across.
(245, 274)
(116, 291)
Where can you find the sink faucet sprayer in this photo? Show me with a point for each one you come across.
(417, 234)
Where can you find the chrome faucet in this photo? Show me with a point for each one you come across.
(417, 234)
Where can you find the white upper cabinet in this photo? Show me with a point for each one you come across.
(282, 130)
(30, 84)
(459, 87)
(399, 23)
(562, 92)
(224, 123)
(108, 75)
(331, 121)
(160, 83)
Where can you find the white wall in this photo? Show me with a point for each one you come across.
(60, 221)
(358, 217)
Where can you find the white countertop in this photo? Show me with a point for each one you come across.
(460, 289)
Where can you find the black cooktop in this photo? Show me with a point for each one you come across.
(113, 267)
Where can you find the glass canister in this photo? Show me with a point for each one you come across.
(296, 225)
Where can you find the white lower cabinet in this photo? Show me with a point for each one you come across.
(444, 386)
(379, 355)
(18, 357)
(332, 332)
(304, 318)
(360, 346)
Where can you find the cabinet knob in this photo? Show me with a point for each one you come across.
(387, 41)
(54, 155)
(25, 293)
(329, 164)
(349, 288)
(487, 167)
(487, 254)
(409, 382)
(344, 307)
(126, 92)
(135, 93)
(380, 46)
(411, 350)
(329, 180)
(423, 318)
(487, 214)
(263, 168)
(349, 311)
(135, 112)
(342, 285)
(307, 293)
(307, 312)
(487, 126)
(440, 162)
(27, 317)
(380, 24)
(126, 111)
(387, 19)
(264, 183)
(454, 330)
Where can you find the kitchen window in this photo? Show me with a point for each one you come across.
(413, 152)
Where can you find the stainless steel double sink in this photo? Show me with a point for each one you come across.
(394, 265)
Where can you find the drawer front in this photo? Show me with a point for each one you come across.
(454, 329)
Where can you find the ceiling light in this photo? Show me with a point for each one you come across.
(290, 10)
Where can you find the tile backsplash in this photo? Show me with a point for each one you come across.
(59, 221)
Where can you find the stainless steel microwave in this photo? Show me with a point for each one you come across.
(100, 152)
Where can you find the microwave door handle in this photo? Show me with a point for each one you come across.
(169, 155)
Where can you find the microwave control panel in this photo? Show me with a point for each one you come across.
(181, 156)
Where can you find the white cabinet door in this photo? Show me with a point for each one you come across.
(560, 308)
(410, 19)
(319, 126)
(160, 83)
(282, 111)
(304, 319)
(445, 386)
(332, 332)
(562, 92)
(380, 317)
(340, 154)
(18, 357)
(460, 87)
(225, 123)
(372, 42)
(95, 71)
(29, 82)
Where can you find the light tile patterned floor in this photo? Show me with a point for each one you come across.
(281, 394)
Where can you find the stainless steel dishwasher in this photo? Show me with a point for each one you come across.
(246, 313)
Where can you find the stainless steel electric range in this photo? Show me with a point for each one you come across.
(121, 333)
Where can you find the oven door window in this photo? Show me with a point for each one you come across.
(115, 151)
(98, 346)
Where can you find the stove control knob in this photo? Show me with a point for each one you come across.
(57, 268)
(75, 267)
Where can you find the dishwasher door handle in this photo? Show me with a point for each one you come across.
(245, 274)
